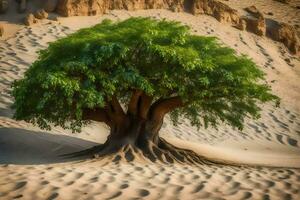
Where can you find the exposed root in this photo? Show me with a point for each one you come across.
(164, 152)
(168, 153)
(182, 155)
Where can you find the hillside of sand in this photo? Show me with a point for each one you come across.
(28, 155)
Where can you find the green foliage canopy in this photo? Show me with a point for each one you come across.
(161, 58)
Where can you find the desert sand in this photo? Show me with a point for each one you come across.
(263, 160)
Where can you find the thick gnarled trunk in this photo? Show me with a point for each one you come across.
(138, 137)
(136, 132)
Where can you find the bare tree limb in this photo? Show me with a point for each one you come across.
(133, 103)
(162, 106)
(97, 114)
(145, 105)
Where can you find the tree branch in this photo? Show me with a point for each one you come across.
(144, 106)
(162, 106)
(133, 103)
(115, 111)
(97, 114)
(117, 108)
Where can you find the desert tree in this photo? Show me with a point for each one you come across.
(130, 75)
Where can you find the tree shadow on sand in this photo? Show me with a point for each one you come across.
(20, 146)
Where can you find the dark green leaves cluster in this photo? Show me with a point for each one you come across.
(161, 58)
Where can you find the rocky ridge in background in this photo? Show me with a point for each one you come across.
(254, 21)
(30, 20)
(284, 33)
(220, 11)
(41, 14)
(33, 18)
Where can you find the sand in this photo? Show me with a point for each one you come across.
(267, 151)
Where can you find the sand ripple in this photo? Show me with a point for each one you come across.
(273, 140)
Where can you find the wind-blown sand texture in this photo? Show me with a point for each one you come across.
(28, 154)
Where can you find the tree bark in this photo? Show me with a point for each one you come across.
(144, 105)
(97, 114)
(133, 103)
(163, 106)
(137, 130)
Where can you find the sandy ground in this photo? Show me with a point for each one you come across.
(29, 156)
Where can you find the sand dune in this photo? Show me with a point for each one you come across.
(274, 140)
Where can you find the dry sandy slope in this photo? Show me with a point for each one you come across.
(273, 140)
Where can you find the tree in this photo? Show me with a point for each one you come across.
(129, 75)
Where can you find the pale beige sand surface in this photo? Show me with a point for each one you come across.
(93, 180)
(26, 152)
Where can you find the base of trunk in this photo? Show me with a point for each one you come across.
(163, 152)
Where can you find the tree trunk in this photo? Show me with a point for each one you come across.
(136, 136)
(136, 132)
